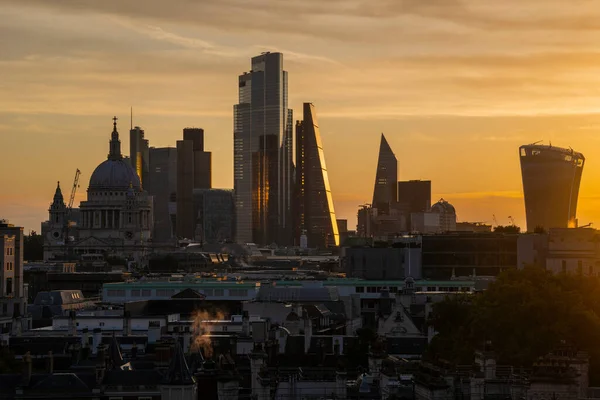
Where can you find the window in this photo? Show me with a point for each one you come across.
(208, 292)
(371, 289)
(360, 289)
(9, 286)
(146, 292)
(219, 292)
(238, 292)
(116, 293)
(101, 323)
(135, 292)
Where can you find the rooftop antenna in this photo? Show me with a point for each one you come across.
(533, 144)
(131, 119)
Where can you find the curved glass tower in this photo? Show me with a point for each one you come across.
(551, 178)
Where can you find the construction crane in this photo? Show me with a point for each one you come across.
(495, 220)
(69, 211)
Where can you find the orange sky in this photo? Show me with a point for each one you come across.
(455, 85)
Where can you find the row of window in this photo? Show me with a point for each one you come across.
(9, 266)
(394, 289)
(171, 292)
(9, 251)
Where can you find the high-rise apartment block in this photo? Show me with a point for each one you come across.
(193, 172)
(139, 153)
(162, 186)
(315, 211)
(263, 168)
(551, 178)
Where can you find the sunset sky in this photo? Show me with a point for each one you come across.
(455, 85)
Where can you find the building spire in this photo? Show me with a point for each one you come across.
(115, 143)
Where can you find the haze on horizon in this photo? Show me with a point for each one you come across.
(455, 85)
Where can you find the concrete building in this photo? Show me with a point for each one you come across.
(162, 186)
(396, 262)
(215, 215)
(468, 254)
(263, 158)
(13, 291)
(574, 251)
(193, 172)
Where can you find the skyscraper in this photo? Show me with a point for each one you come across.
(139, 153)
(385, 192)
(551, 178)
(315, 204)
(193, 172)
(162, 186)
(263, 170)
(414, 197)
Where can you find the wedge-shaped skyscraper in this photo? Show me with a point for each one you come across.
(385, 194)
(315, 212)
(551, 178)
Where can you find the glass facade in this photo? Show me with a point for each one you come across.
(315, 211)
(214, 215)
(385, 191)
(263, 178)
(551, 178)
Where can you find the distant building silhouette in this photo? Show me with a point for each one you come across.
(551, 178)
(385, 191)
(263, 165)
(315, 203)
(139, 153)
(414, 197)
(162, 186)
(193, 172)
(214, 215)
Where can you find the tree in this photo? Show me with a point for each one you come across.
(507, 229)
(524, 314)
(33, 247)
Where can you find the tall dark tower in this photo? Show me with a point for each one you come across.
(385, 194)
(315, 212)
(551, 178)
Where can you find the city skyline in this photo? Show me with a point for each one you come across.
(477, 110)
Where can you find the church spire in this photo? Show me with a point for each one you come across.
(115, 143)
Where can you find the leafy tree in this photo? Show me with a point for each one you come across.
(524, 314)
(507, 229)
(33, 247)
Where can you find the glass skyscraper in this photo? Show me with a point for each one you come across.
(551, 178)
(263, 168)
(315, 212)
(385, 193)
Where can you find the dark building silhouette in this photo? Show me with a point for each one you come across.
(214, 215)
(263, 168)
(139, 153)
(551, 178)
(385, 192)
(193, 172)
(315, 212)
(162, 186)
(414, 197)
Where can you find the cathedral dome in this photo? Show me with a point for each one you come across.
(443, 207)
(114, 174)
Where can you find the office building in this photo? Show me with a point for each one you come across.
(263, 169)
(13, 291)
(315, 210)
(214, 215)
(385, 192)
(139, 153)
(193, 172)
(162, 186)
(414, 197)
(551, 178)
